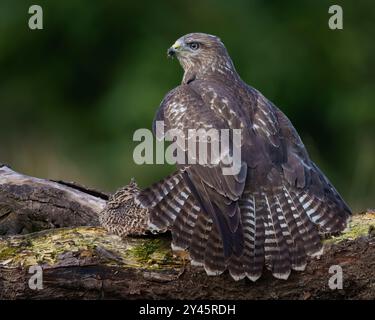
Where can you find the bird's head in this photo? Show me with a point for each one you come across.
(200, 52)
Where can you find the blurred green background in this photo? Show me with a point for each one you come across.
(72, 94)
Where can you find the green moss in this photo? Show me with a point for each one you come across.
(358, 226)
(152, 253)
(144, 251)
(47, 247)
(7, 252)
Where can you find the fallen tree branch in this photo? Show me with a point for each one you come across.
(30, 204)
(88, 263)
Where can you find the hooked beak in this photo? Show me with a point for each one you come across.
(172, 51)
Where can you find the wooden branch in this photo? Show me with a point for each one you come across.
(30, 204)
(88, 263)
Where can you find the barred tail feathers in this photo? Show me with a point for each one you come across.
(280, 227)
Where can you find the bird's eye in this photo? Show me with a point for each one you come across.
(194, 45)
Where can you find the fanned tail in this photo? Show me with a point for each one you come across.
(281, 229)
(281, 226)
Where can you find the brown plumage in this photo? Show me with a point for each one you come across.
(270, 213)
(122, 216)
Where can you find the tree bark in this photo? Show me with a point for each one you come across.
(83, 262)
(30, 204)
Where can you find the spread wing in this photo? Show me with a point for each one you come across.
(289, 166)
(292, 158)
(190, 107)
(268, 214)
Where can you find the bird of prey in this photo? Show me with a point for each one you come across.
(271, 213)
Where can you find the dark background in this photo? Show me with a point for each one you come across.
(72, 94)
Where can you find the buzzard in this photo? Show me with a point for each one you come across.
(268, 214)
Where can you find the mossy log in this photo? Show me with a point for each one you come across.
(85, 262)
